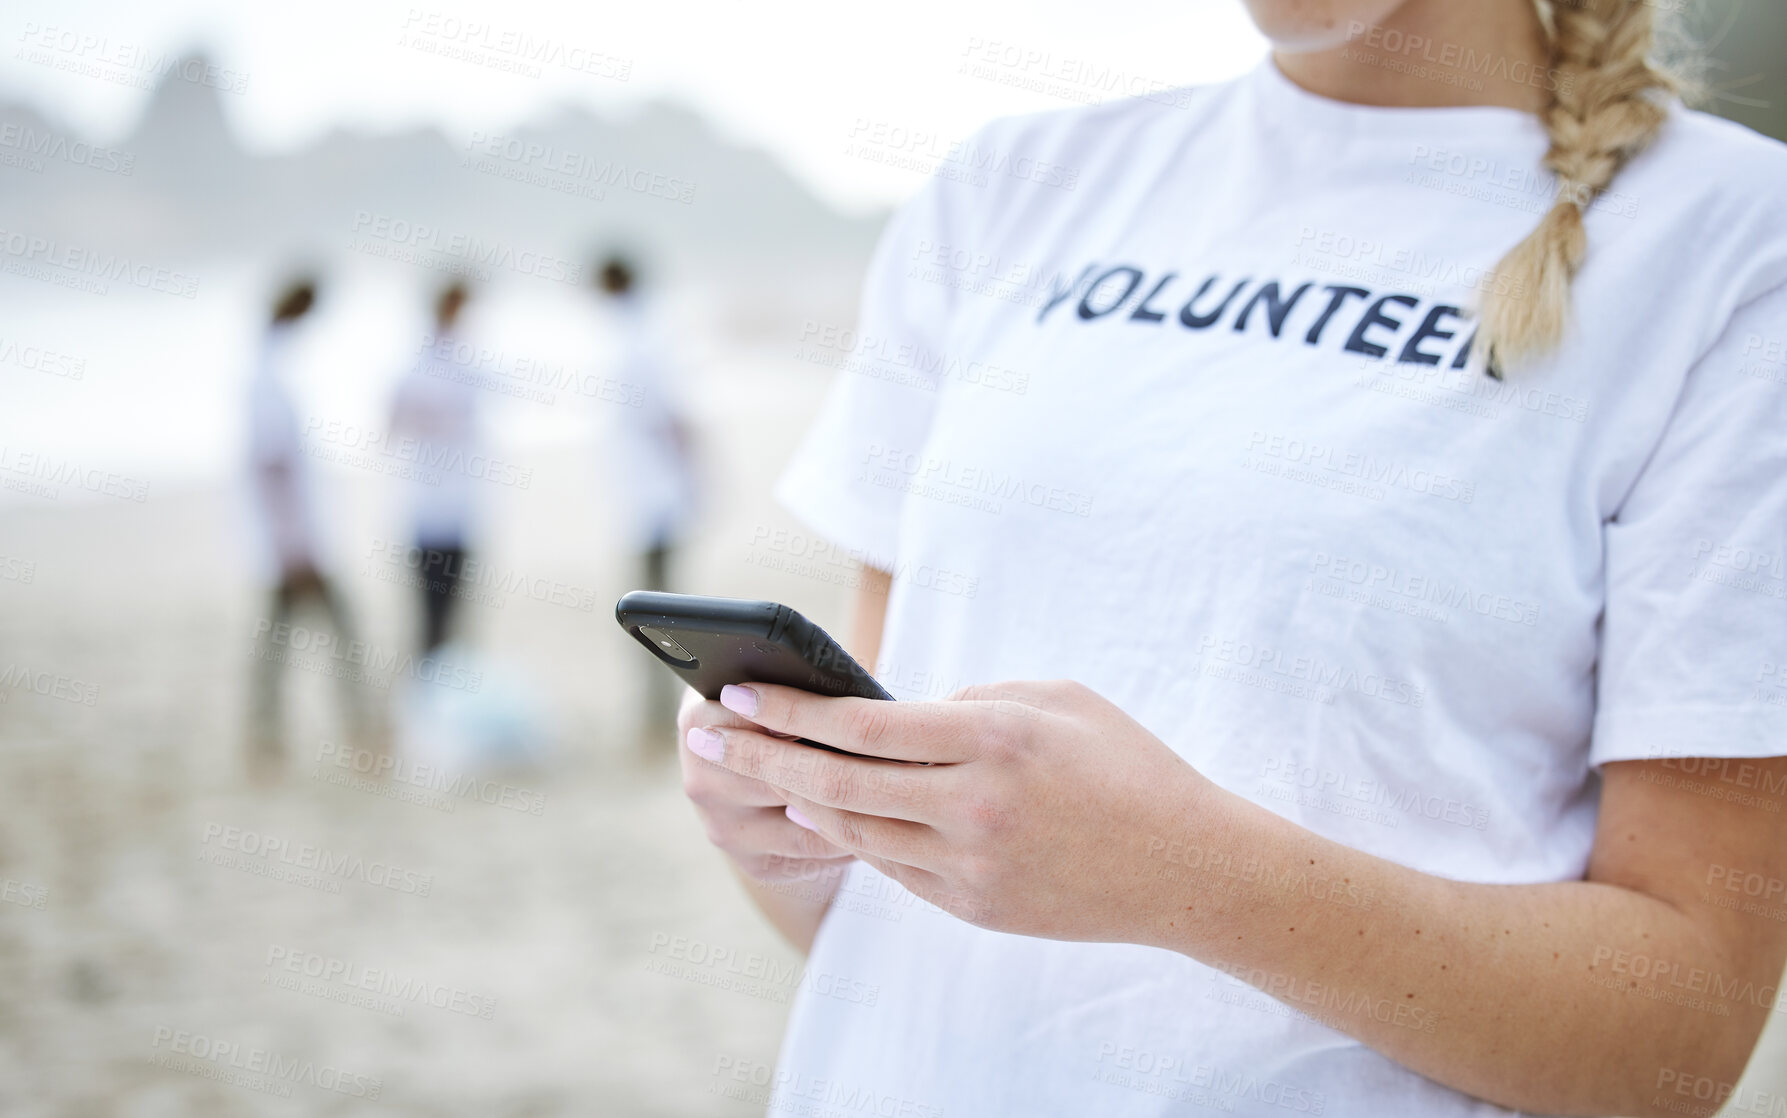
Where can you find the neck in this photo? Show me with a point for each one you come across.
(1433, 54)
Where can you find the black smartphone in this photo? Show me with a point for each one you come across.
(710, 642)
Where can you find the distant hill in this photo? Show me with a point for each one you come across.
(181, 189)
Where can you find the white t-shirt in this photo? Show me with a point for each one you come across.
(280, 485)
(437, 405)
(1099, 429)
(648, 439)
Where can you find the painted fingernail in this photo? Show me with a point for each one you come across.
(739, 700)
(799, 818)
(706, 744)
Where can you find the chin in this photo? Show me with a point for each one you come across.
(1311, 25)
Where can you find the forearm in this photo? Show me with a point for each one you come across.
(794, 907)
(1523, 995)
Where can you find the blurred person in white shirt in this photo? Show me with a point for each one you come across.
(439, 410)
(653, 449)
(291, 555)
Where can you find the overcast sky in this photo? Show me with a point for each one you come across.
(796, 76)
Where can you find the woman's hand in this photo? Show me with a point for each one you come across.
(747, 819)
(1036, 815)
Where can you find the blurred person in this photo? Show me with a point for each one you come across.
(439, 409)
(653, 456)
(1401, 485)
(282, 491)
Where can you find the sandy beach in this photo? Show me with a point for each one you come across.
(179, 940)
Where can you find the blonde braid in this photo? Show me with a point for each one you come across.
(1604, 111)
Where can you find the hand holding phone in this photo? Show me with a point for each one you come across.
(748, 820)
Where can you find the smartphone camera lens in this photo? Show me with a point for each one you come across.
(666, 643)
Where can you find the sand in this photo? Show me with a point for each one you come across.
(593, 958)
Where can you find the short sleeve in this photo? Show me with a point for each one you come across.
(884, 391)
(1694, 637)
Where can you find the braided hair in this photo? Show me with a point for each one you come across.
(1605, 110)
